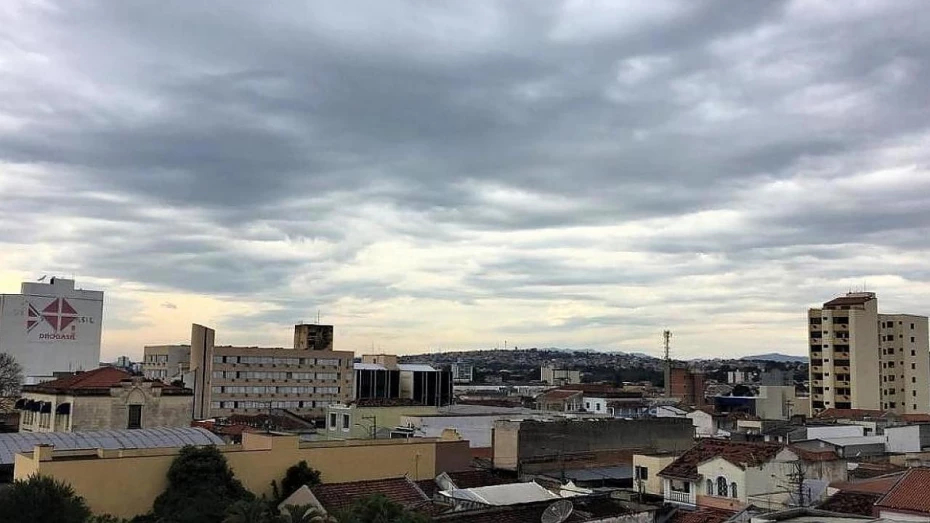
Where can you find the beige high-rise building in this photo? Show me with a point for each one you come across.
(861, 359)
(253, 380)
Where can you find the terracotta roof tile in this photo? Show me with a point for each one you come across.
(910, 494)
(701, 515)
(556, 395)
(870, 470)
(815, 455)
(97, 381)
(739, 453)
(876, 485)
(339, 496)
(850, 503)
(848, 300)
(856, 414)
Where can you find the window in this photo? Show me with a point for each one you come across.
(710, 488)
(892, 405)
(913, 340)
(913, 353)
(722, 486)
(135, 417)
(597, 406)
(587, 405)
(914, 393)
(913, 366)
(915, 406)
(332, 421)
(733, 490)
(345, 422)
(913, 379)
(642, 473)
(912, 326)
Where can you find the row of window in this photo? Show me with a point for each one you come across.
(273, 360)
(724, 488)
(333, 421)
(156, 358)
(274, 375)
(271, 389)
(890, 324)
(264, 405)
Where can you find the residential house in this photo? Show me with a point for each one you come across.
(560, 400)
(908, 438)
(103, 399)
(908, 499)
(646, 468)
(729, 475)
(707, 424)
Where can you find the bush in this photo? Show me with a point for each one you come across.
(296, 476)
(41, 499)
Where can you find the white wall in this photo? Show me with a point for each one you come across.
(903, 439)
(595, 404)
(835, 431)
(38, 338)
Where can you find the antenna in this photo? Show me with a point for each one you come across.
(318, 316)
(667, 337)
(557, 512)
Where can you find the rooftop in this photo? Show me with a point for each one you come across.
(847, 502)
(853, 414)
(98, 381)
(851, 299)
(738, 453)
(910, 493)
(339, 496)
(876, 485)
(701, 515)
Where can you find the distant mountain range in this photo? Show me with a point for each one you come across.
(777, 357)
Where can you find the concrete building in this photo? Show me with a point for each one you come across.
(380, 377)
(537, 446)
(125, 483)
(51, 327)
(361, 420)
(861, 359)
(908, 438)
(646, 469)
(251, 380)
(555, 376)
(314, 337)
(166, 362)
(463, 372)
(102, 399)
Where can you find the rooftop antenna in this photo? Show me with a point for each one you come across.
(667, 338)
(43, 277)
(318, 316)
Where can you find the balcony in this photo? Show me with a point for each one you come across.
(843, 355)
(681, 498)
(817, 369)
(842, 370)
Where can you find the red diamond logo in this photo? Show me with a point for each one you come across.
(59, 314)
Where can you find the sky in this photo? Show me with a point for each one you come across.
(433, 175)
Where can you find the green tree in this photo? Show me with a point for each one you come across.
(296, 476)
(41, 499)
(201, 487)
(106, 518)
(379, 509)
(304, 514)
(249, 511)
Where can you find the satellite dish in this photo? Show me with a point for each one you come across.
(557, 512)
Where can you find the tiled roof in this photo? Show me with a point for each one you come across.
(701, 515)
(870, 470)
(876, 485)
(815, 455)
(739, 453)
(850, 503)
(915, 418)
(339, 496)
(911, 493)
(848, 300)
(556, 395)
(97, 381)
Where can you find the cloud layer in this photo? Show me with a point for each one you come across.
(457, 174)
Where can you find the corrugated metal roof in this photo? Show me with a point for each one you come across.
(369, 366)
(14, 443)
(508, 494)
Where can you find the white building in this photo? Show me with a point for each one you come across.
(463, 372)
(51, 327)
(555, 376)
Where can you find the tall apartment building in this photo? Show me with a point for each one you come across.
(861, 359)
(252, 380)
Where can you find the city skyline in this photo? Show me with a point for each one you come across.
(578, 175)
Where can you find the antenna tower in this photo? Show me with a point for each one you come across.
(667, 337)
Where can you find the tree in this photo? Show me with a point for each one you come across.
(11, 379)
(200, 488)
(41, 499)
(304, 514)
(296, 476)
(106, 518)
(249, 511)
(379, 509)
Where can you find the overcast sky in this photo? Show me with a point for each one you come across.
(456, 174)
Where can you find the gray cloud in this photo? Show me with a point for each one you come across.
(651, 163)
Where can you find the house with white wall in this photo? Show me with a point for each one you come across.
(908, 438)
(729, 475)
(707, 425)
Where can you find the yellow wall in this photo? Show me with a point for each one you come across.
(654, 464)
(126, 483)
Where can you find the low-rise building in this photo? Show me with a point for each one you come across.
(646, 468)
(463, 372)
(369, 419)
(560, 400)
(557, 376)
(101, 399)
(907, 500)
(166, 362)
